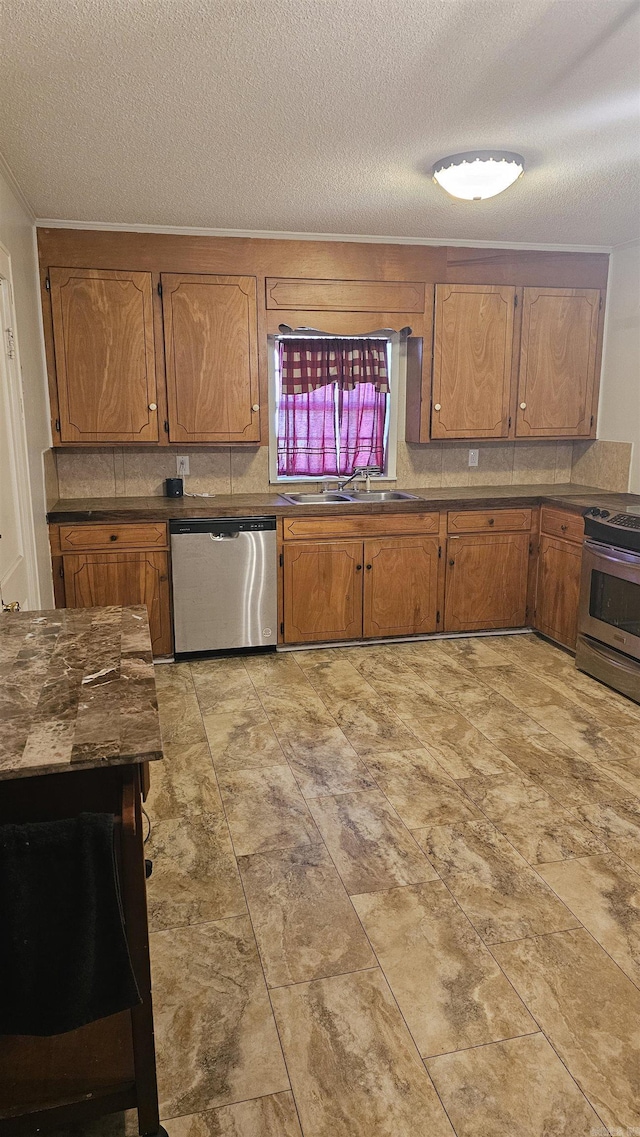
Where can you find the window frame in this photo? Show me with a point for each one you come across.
(397, 378)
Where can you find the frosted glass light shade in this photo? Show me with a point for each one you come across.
(478, 174)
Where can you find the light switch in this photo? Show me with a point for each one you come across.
(473, 457)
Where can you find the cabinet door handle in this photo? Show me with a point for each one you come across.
(256, 407)
(564, 528)
(452, 562)
(437, 406)
(113, 536)
(491, 521)
(358, 568)
(369, 567)
(523, 406)
(153, 406)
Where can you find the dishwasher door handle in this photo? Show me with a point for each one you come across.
(223, 536)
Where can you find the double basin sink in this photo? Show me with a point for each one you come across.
(340, 498)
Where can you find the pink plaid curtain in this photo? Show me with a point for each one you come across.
(306, 364)
(362, 415)
(307, 433)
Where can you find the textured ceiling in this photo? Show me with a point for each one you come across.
(324, 115)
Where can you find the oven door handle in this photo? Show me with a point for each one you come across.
(612, 553)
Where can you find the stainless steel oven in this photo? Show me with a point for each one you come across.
(609, 615)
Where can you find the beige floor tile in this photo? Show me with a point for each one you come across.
(336, 681)
(461, 749)
(368, 842)
(183, 782)
(502, 896)
(617, 823)
(512, 1089)
(265, 810)
(589, 1011)
(354, 1069)
(604, 894)
(296, 709)
(242, 740)
(216, 1039)
(371, 726)
(312, 656)
(539, 828)
(448, 986)
(568, 777)
(195, 876)
(419, 789)
(304, 922)
(482, 651)
(224, 687)
(324, 762)
(272, 1116)
(276, 672)
(625, 771)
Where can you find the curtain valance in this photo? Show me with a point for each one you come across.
(307, 364)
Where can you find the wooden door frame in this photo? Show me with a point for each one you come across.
(11, 379)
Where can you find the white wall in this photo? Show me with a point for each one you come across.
(619, 414)
(17, 234)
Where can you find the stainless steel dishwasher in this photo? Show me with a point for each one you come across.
(224, 584)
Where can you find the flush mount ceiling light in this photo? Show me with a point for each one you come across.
(478, 174)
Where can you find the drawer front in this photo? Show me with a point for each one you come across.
(489, 521)
(559, 523)
(382, 525)
(152, 535)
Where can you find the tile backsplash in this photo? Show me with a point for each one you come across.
(124, 472)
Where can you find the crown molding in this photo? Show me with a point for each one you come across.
(14, 185)
(270, 235)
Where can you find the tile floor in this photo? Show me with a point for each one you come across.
(396, 894)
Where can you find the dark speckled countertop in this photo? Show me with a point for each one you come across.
(77, 691)
(113, 509)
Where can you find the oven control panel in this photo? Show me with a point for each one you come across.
(621, 529)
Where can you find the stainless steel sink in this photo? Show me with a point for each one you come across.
(336, 498)
(316, 498)
(382, 495)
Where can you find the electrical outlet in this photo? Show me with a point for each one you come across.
(182, 465)
(473, 457)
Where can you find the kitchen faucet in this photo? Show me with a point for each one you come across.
(359, 472)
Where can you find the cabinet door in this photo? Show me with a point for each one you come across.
(323, 591)
(557, 362)
(210, 334)
(400, 586)
(93, 580)
(472, 353)
(486, 583)
(558, 592)
(105, 359)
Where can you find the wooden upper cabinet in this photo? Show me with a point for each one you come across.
(104, 352)
(211, 357)
(400, 586)
(558, 357)
(472, 358)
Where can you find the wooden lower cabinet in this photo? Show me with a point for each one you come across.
(93, 580)
(486, 582)
(400, 586)
(558, 589)
(323, 591)
(344, 590)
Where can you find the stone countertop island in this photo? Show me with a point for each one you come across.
(77, 691)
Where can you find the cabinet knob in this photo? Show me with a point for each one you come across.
(113, 536)
(153, 406)
(437, 406)
(256, 407)
(369, 567)
(491, 521)
(358, 568)
(564, 528)
(523, 406)
(452, 562)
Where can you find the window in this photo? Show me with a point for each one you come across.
(331, 407)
